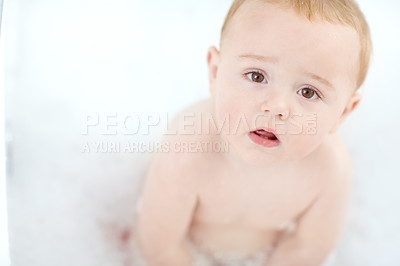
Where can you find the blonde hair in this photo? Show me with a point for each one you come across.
(345, 12)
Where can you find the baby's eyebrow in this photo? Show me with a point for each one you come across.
(259, 58)
(320, 79)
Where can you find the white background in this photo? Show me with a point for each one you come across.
(66, 60)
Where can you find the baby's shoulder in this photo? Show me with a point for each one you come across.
(189, 145)
(193, 124)
(334, 160)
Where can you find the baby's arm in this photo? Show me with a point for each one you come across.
(168, 202)
(319, 227)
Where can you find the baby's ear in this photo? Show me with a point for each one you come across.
(212, 61)
(350, 106)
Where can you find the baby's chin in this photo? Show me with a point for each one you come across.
(270, 158)
(261, 162)
(266, 160)
(256, 158)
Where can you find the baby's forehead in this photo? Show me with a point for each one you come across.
(253, 14)
(271, 23)
(257, 23)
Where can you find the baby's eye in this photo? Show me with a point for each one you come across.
(308, 93)
(256, 77)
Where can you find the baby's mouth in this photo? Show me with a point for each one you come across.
(265, 134)
(264, 137)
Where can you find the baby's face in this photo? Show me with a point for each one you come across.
(277, 70)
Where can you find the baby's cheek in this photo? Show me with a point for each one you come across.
(221, 115)
(324, 124)
(226, 111)
(301, 145)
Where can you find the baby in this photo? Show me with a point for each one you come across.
(284, 79)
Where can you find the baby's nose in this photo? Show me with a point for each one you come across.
(276, 107)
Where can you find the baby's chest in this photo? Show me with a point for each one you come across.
(261, 205)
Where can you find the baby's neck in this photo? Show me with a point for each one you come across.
(233, 161)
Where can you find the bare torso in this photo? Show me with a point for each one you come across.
(247, 215)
